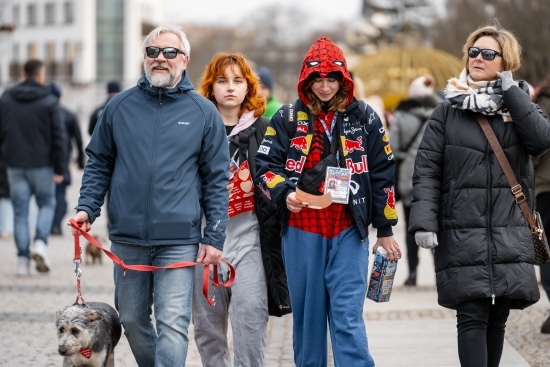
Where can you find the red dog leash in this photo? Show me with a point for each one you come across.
(182, 264)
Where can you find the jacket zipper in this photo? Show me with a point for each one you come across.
(488, 220)
(148, 200)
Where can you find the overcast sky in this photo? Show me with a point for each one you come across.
(232, 12)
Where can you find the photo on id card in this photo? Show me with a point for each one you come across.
(337, 183)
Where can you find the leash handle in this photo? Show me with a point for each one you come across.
(181, 264)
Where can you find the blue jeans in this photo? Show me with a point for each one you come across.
(25, 182)
(6, 216)
(169, 291)
(327, 281)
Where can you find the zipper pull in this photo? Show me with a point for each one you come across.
(493, 297)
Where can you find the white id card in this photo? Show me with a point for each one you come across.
(337, 183)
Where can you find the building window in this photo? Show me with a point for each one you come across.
(68, 11)
(15, 51)
(50, 13)
(69, 51)
(16, 15)
(32, 51)
(50, 51)
(31, 14)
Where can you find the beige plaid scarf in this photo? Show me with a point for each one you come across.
(479, 96)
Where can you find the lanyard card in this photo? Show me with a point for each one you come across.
(337, 183)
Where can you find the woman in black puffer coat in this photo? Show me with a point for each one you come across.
(462, 199)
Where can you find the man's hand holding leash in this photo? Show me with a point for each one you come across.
(83, 220)
(209, 255)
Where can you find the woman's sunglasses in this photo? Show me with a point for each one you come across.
(168, 52)
(486, 53)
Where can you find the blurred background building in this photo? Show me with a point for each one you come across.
(81, 41)
(387, 43)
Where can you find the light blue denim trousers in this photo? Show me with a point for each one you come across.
(167, 292)
(25, 182)
(6, 216)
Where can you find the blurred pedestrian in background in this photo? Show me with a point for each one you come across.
(409, 122)
(325, 244)
(462, 202)
(253, 228)
(267, 87)
(6, 209)
(74, 136)
(33, 143)
(542, 190)
(113, 88)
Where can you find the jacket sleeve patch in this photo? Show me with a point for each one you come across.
(271, 179)
(389, 209)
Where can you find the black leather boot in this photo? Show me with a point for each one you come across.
(411, 280)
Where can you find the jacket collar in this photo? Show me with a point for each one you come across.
(166, 94)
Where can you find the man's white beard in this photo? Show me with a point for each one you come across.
(159, 81)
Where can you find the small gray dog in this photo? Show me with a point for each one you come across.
(87, 334)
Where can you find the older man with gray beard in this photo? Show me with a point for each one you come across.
(156, 151)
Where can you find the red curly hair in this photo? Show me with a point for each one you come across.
(253, 101)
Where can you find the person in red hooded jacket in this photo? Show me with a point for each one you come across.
(325, 243)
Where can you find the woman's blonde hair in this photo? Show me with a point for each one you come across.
(337, 103)
(509, 45)
(253, 101)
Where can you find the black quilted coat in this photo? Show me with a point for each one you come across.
(461, 193)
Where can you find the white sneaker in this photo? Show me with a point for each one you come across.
(39, 253)
(23, 266)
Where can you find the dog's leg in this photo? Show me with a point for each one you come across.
(111, 360)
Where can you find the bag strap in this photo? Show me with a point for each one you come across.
(409, 145)
(521, 200)
(289, 114)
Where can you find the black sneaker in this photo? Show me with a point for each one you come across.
(545, 328)
(56, 231)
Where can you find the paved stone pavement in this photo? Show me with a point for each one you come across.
(410, 330)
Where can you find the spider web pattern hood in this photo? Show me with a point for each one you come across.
(322, 58)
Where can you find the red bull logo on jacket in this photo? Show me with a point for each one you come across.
(301, 142)
(359, 167)
(298, 166)
(352, 145)
(271, 179)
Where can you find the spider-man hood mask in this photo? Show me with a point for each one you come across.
(324, 59)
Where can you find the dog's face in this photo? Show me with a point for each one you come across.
(75, 330)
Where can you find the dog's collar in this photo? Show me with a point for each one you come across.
(86, 353)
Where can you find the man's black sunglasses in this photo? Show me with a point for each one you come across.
(486, 53)
(168, 52)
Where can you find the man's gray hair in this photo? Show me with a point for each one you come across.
(169, 28)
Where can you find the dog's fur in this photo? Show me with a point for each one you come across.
(93, 252)
(93, 325)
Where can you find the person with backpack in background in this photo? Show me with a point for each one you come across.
(409, 122)
(325, 238)
(252, 233)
